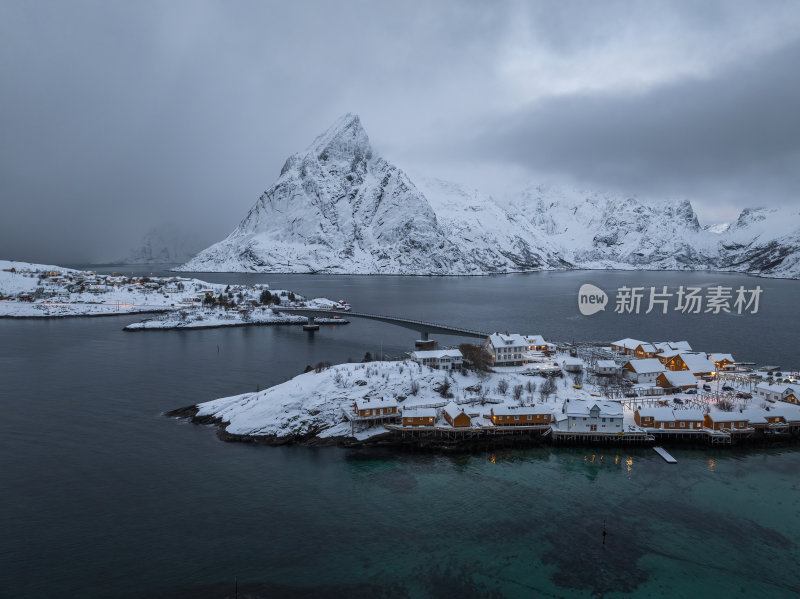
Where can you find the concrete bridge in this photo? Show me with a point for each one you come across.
(423, 328)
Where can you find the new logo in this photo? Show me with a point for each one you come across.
(591, 299)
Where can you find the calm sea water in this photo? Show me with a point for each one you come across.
(101, 496)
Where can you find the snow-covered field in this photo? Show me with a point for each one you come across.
(314, 403)
(45, 291)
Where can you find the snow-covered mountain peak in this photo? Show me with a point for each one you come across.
(338, 208)
(344, 146)
(344, 141)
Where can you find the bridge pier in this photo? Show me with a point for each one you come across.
(311, 325)
(424, 341)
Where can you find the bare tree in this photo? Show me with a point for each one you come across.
(476, 357)
(502, 386)
(547, 388)
(517, 393)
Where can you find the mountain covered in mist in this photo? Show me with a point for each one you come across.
(337, 207)
(163, 244)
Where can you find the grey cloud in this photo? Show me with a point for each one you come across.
(733, 137)
(117, 117)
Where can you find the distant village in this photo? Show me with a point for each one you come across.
(629, 391)
(35, 291)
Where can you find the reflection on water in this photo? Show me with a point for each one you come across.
(99, 490)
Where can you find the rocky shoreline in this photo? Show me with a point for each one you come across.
(320, 321)
(95, 315)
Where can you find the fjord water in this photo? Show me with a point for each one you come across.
(102, 496)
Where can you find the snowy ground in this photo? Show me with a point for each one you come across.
(56, 291)
(201, 318)
(314, 404)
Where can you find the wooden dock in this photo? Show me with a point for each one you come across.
(663, 453)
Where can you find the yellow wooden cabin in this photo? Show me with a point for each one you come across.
(456, 416)
(365, 408)
(419, 417)
(504, 415)
(725, 420)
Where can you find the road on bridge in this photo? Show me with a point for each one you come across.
(424, 328)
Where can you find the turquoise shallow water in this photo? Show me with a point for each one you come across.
(101, 496)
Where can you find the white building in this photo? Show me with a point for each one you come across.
(506, 350)
(777, 392)
(585, 416)
(440, 359)
(606, 368)
(643, 371)
(537, 343)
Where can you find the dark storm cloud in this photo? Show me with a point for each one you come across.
(119, 116)
(734, 136)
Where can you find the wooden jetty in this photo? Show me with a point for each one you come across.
(663, 453)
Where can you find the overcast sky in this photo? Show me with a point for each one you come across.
(119, 116)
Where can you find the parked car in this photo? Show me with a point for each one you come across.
(706, 387)
(727, 388)
(691, 392)
(743, 395)
(678, 401)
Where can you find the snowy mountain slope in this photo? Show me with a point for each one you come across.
(597, 230)
(339, 208)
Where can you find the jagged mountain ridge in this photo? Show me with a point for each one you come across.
(339, 208)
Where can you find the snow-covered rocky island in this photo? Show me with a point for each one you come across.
(45, 291)
(432, 400)
(338, 207)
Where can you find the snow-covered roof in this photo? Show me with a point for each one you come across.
(572, 361)
(755, 415)
(646, 365)
(535, 340)
(688, 414)
(663, 414)
(680, 378)
(789, 412)
(512, 410)
(581, 407)
(776, 388)
(719, 357)
(453, 409)
(503, 340)
(680, 345)
(436, 353)
(698, 363)
(606, 364)
(726, 416)
(627, 343)
(647, 347)
(419, 412)
(372, 403)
